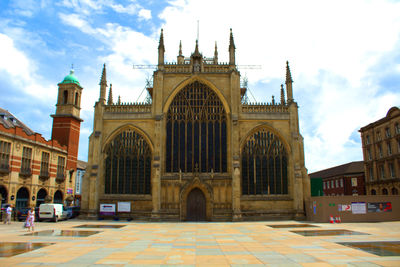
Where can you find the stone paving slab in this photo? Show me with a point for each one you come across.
(199, 244)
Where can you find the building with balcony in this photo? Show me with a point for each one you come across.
(34, 170)
(381, 152)
(196, 149)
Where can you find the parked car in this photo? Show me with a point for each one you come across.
(23, 212)
(53, 212)
(73, 211)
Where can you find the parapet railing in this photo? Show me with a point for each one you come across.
(128, 108)
(264, 107)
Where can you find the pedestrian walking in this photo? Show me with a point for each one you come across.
(8, 215)
(30, 220)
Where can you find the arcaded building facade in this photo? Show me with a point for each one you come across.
(381, 151)
(34, 170)
(196, 150)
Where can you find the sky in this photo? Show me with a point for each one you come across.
(344, 58)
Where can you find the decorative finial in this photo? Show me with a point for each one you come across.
(161, 44)
(110, 96)
(288, 74)
(103, 80)
(273, 100)
(119, 100)
(282, 96)
(196, 49)
(180, 48)
(231, 42)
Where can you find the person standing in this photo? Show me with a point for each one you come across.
(30, 220)
(8, 215)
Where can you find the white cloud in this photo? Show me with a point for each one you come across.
(332, 48)
(145, 14)
(21, 70)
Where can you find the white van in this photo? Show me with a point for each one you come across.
(52, 211)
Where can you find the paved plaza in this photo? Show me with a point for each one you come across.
(81, 243)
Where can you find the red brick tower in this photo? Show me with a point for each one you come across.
(66, 121)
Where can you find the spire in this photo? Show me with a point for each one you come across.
(103, 85)
(288, 74)
(289, 81)
(180, 58)
(196, 49)
(161, 49)
(216, 54)
(161, 43)
(231, 42)
(273, 100)
(103, 79)
(119, 100)
(110, 96)
(282, 95)
(231, 50)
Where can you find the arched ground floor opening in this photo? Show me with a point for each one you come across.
(41, 195)
(22, 199)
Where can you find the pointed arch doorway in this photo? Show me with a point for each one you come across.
(196, 206)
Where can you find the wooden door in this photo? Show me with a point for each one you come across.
(196, 206)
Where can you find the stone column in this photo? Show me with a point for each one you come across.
(237, 215)
(156, 190)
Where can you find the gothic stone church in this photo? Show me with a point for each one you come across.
(197, 151)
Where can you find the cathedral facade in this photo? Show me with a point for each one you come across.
(196, 151)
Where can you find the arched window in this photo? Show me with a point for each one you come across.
(128, 164)
(58, 197)
(264, 165)
(196, 137)
(384, 191)
(76, 99)
(373, 192)
(395, 191)
(65, 97)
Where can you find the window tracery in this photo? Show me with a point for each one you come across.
(128, 164)
(196, 138)
(264, 165)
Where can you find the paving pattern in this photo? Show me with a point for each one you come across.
(198, 244)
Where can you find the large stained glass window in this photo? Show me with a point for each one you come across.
(264, 165)
(128, 164)
(196, 137)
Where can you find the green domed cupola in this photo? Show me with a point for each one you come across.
(70, 78)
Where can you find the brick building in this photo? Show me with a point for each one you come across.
(346, 179)
(34, 170)
(381, 152)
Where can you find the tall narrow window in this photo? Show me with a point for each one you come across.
(26, 161)
(380, 150)
(264, 165)
(387, 132)
(369, 154)
(196, 131)
(76, 99)
(65, 97)
(371, 173)
(44, 166)
(128, 164)
(391, 170)
(60, 169)
(367, 141)
(382, 171)
(5, 148)
(389, 148)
